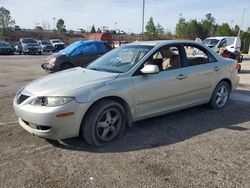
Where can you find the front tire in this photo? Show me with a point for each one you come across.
(105, 121)
(220, 96)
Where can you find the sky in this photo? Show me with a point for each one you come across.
(123, 14)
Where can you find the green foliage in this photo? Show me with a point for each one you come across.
(92, 29)
(202, 29)
(5, 19)
(159, 29)
(150, 28)
(223, 30)
(181, 28)
(60, 25)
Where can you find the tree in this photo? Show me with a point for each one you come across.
(208, 25)
(5, 19)
(181, 28)
(223, 30)
(150, 28)
(60, 25)
(159, 29)
(92, 29)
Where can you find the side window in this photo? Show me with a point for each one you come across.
(223, 43)
(166, 58)
(195, 55)
(230, 41)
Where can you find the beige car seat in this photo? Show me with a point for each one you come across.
(171, 60)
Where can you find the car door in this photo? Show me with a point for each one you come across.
(164, 91)
(201, 71)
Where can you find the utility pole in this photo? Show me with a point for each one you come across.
(241, 21)
(54, 23)
(143, 9)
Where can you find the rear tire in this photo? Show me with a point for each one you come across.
(220, 96)
(105, 121)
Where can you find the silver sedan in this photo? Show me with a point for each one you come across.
(128, 84)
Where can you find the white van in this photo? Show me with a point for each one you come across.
(232, 44)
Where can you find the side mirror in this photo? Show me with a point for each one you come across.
(150, 69)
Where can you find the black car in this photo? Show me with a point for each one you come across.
(80, 53)
(6, 48)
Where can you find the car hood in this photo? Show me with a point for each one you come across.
(58, 84)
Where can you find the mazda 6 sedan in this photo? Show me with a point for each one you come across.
(128, 84)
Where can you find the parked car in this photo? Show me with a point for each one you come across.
(79, 53)
(57, 44)
(29, 46)
(128, 84)
(232, 44)
(6, 48)
(46, 46)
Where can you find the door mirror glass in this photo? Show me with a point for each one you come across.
(150, 69)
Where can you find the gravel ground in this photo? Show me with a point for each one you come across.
(196, 147)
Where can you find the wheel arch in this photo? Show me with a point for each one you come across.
(227, 80)
(129, 117)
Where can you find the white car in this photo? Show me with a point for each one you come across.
(128, 84)
(57, 44)
(232, 44)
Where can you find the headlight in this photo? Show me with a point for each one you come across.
(51, 101)
(52, 61)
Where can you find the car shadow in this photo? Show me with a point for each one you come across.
(170, 129)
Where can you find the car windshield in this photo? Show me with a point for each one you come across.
(45, 42)
(56, 41)
(29, 41)
(210, 42)
(4, 44)
(120, 60)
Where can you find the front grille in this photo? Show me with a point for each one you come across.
(22, 98)
(38, 127)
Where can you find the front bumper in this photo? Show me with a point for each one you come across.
(49, 68)
(32, 50)
(43, 121)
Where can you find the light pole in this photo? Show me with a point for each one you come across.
(242, 20)
(54, 19)
(143, 9)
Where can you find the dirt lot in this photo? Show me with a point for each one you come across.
(196, 147)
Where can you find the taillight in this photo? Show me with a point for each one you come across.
(238, 67)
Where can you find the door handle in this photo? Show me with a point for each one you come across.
(181, 76)
(216, 68)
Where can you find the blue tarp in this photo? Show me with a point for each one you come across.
(84, 47)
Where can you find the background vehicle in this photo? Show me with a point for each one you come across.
(77, 54)
(57, 44)
(6, 48)
(29, 46)
(46, 46)
(232, 44)
(128, 84)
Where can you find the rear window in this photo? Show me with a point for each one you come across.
(196, 55)
(230, 41)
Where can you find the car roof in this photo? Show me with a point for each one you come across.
(163, 42)
(219, 38)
